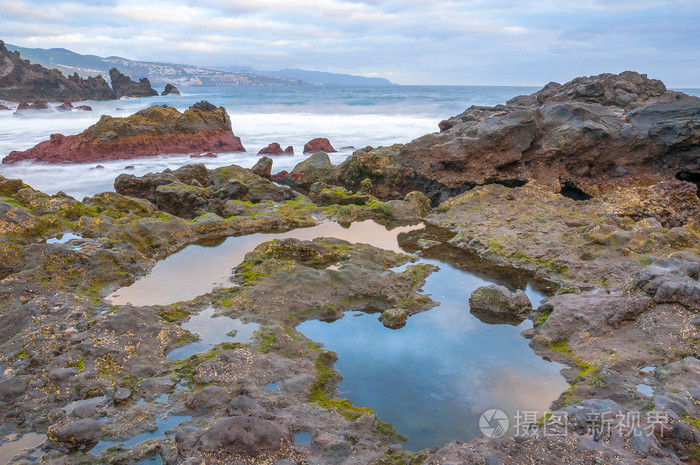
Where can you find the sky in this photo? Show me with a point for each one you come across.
(447, 42)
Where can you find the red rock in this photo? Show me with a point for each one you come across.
(263, 167)
(320, 144)
(272, 149)
(204, 155)
(129, 167)
(37, 105)
(66, 106)
(83, 108)
(279, 177)
(156, 130)
(3, 107)
(289, 150)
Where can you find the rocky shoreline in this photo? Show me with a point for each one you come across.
(620, 240)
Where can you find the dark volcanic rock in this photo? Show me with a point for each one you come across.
(83, 108)
(154, 131)
(124, 87)
(76, 433)
(37, 105)
(595, 132)
(244, 435)
(320, 144)
(170, 89)
(21, 80)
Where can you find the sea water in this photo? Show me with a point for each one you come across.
(351, 117)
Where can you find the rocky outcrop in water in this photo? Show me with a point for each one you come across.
(592, 134)
(276, 149)
(320, 144)
(170, 90)
(21, 80)
(124, 87)
(154, 131)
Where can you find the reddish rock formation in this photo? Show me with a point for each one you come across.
(37, 105)
(124, 87)
(156, 130)
(83, 108)
(289, 150)
(272, 149)
(65, 106)
(21, 80)
(204, 155)
(3, 107)
(320, 144)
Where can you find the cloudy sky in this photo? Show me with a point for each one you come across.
(480, 42)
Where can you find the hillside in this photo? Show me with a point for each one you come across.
(180, 75)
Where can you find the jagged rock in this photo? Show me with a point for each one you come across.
(38, 104)
(170, 90)
(272, 149)
(21, 80)
(153, 131)
(123, 86)
(65, 106)
(320, 144)
(595, 132)
(263, 167)
(316, 168)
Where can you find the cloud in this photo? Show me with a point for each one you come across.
(448, 42)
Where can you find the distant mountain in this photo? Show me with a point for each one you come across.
(160, 74)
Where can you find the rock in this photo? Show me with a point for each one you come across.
(170, 90)
(263, 167)
(643, 442)
(595, 132)
(154, 131)
(75, 433)
(11, 388)
(123, 86)
(83, 108)
(243, 405)
(320, 144)
(500, 302)
(143, 186)
(272, 149)
(492, 460)
(211, 397)
(685, 432)
(316, 168)
(289, 150)
(244, 435)
(21, 80)
(204, 155)
(122, 395)
(5, 107)
(38, 104)
(671, 280)
(66, 106)
(62, 374)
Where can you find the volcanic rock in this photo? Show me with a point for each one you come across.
(170, 90)
(594, 133)
(154, 131)
(320, 144)
(83, 108)
(21, 80)
(272, 149)
(263, 167)
(4, 107)
(65, 106)
(37, 105)
(124, 87)
(499, 302)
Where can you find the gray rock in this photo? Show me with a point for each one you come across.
(76, 433)
(643, 443)
(492, 460)
(244, 405)
(685, 432)
(211, 397)
(244, 435)
(500, 302)
(11, 388)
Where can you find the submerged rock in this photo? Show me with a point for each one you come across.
(276, 149)
(154, 131)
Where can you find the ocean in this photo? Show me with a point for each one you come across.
(351, 117)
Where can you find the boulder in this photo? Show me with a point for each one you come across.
(38, 104)
(170, 90)
(65, 106)
(263, 167)
(75, 433)
(316, 168)
(272, 149)
(83, 108)
(244, 435)
(5, 107)
(154, 131)
(500, 302)
(123, 86)
(320, 144)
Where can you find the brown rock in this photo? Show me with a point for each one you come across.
(170, 90)
(272, 149)
(320, 144)
(4, 107)
(66, 106)
(263, 167)
(124, 87)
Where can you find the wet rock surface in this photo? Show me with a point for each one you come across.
(154, 131)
